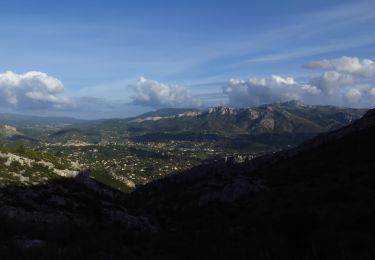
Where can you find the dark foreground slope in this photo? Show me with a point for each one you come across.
(67, 218)
(316, 201)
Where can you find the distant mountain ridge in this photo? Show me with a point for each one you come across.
(288, 117)
(19, 120)
(167, 112)
(264, 128)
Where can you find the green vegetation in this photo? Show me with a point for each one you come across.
(24, 166)
(313, 202)
(126, 153)
(126, 166)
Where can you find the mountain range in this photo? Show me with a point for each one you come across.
(259, 129)
(288, 117)
(313, 201)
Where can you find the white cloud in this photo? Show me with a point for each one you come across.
(348, 79)
(331, 82)
(349, 65)
(32, 90)
(353, 96)
(256, 91)
(152, 93)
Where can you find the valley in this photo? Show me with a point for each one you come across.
(183, 130)
(317, 195)
(127, 153)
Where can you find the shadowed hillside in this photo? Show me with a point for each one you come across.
(315, 201)
(67, 219)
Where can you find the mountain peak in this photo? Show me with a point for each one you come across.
(163, 112)
(222, 110)
(292, 103)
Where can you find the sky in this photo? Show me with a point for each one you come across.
(103, 59)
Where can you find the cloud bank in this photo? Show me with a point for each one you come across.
(348, 65)
(154, 94)
(346, 81)
(331, 82)
(257, 91)
(32, 90)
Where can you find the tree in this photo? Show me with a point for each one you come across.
(21, 149)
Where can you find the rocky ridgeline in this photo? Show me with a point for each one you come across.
(250, 113)
(157, 118)
(292, 103)
(221, 110)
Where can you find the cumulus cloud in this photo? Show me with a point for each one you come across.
(32, 90)
(152, 93)
(349, 79)
(256, 91)
(331, 82)
(349, 65)
(353, 96)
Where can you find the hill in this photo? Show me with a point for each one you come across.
(23, 166)
(126, 153)
(315, 201)
(289, 117)
(265, 128)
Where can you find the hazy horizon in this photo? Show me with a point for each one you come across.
(202, 109)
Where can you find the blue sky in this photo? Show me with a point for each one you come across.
(185, 51)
